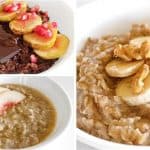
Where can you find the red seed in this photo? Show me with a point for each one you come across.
(42, 31)
(33, 58)
(12, 7)
(35, 8)
(54, 24)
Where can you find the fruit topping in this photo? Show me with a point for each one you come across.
(9, 99)
(43, 30)
(58, 50)
(12, 7)
(35, 9)
(43, 37)
(119, 68)
(33, 58)
(25, 23)
(124, 89)
(10, 10)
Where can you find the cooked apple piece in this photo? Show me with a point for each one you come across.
(25, 23)
(9, 10)
(139, 40)
(124, 89)
(58, 50)
(119, 68)
(43, 37)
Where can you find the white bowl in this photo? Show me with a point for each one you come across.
(62, 13)
(113, 23)
(57, 96)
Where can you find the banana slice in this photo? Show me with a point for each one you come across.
(119, 68)
(40, 42)
(58, 50)
(8, 12)
(124, 89)
(139, 40)
(25, 23)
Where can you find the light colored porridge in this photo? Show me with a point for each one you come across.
(26, 122)
(113, 88)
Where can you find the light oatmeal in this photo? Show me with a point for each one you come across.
(27, 122)
(113, 88)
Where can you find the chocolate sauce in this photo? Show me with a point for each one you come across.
(8, 45)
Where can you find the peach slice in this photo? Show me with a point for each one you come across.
(58, 50)
(9, 10)
(25, 23)
(41, 38)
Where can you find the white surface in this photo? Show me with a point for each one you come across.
(60, 11)
(106, 17)
(60, 139)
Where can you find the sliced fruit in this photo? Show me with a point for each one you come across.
(139, 40)
(25, 23)
(10, 10)
(124, 89)
(42, 38)
(119, 68)
(10, 98)
(58, 50)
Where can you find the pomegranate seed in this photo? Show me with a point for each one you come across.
(45, 25)
(54, 24)
(42, 31)
(33, 58)
(12, 7)
(35, 8)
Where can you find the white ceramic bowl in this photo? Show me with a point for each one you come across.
(108, 23)
(62, 13)
(57, 96)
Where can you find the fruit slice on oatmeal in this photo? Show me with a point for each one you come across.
(10, 9)
(25, 23)
(9, 98)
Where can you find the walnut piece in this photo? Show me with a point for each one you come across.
(130, 52)
(139, 77)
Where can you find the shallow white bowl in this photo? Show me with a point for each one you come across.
(102, 23)
(57, 96)
(62, 13)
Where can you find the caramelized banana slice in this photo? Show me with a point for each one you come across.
(58, 50)
(139, 40)
(9, 10)
(119, 68)
(43, 37)
(124, 89)
(25, 23)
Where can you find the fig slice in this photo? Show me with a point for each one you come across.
(37, 41)
(58, 50)
(139, 40)
(8, 16)
(120, 68)
(124, 89)
(25, 23)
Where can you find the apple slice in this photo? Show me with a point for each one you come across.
(25, 23)
(9, 10)
(43, 37)
(58, 50)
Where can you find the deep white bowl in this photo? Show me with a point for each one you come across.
(103, 21)
(57, 96)
(62, 13)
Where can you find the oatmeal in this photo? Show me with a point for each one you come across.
(27, 119)
(113, 87)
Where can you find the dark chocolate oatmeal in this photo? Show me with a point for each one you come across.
(18, 59)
